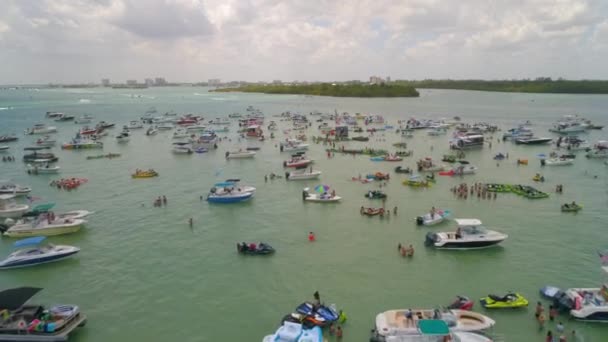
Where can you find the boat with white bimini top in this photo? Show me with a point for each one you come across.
(123, 137)
(9, 207)
(302, 173)
(557, 161)
(29, 253)
(44, 225)
(293, 147)
(429, 330)
(469, 235)
(41, 129)
(230, 192)
(43, 168)
(240, 154)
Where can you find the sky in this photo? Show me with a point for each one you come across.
(73, 41)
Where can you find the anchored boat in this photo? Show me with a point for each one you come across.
(469, 235)
(30, 253)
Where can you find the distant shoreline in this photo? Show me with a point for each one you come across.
(329, 89)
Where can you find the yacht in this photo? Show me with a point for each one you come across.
(182, 148)
(469, 235)
(7, 187)
(568, 127)
(123, 137)
(302, 173)
(467, 141)
(30, 253)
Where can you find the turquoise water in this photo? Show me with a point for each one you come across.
(144, 275)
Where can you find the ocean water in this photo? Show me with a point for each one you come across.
(144, 275)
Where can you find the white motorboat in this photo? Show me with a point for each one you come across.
(436, 131)
(42, 169)
(134, 125)
(85, 119)
(568, 127)
(7, 187)
(44, 226)
(587, 304)
(181, 133)
(460, 170)
(219, 121)
(151, 131)
(433, 218)
(428, 330)
(557, 161)
(196, 128)
(31, 254)
(319, 198)
(230, 192)
(240, 154)
(597, 153)
(302, 173)
(9, 207)
(294, 147)
(395, 322)
(166, 126)
(123, 137)
(182, 148)
(3, 148)
(41, 129)
(46, 141)
(469, 235)
(235, 115)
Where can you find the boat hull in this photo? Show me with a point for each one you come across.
(38, 261)
(15, 212)
(51, 231)
(229, 199)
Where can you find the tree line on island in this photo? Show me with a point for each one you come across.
(407, 88)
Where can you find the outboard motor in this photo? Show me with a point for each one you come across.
(542, 162)
(227, 154)
(430, 239)
(420, 220)
(286, 175)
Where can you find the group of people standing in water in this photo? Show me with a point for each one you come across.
(464, 190)
(8, 158)
(162, 201)
(405, 251)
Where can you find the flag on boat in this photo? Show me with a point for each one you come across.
(603, 257)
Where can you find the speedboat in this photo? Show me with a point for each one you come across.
(22, 322)
(568, 128)
(144, 174)
(302, 173)
(8, 138)
(532, 140)
(470, 235)
(425, 330)
(41, 129)
(196, 128)
(30, 254)
(53, 115)
(295, 332)
(3, 148)
(44, 226)
(123, 137)
(166, 126)
(597, 153)
(229, 192)
(319, 198)
(46, 141)
(431, 219)
(35, 169)
(14, 189)
(79, 144)
(557, 161)
(37, 157)
(510, 300)
(394, 322)
(297, 160)
(182, 148)
(586, 304)
(64, 117)
(293, 147)
(240, 154)
(85, 119)
(9, 207)
(134, 125)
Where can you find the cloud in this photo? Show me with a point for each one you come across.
(193, 40)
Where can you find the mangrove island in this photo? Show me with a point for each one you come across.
(330, 89)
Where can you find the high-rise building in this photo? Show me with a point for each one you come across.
(375, 80)
(278, 82)
(160, 81)
(388, 79)
(149, 82)
(214, 82)
(131, 82)
(105, 82)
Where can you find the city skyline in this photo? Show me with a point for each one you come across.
(187, 41)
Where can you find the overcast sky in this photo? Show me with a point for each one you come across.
(195, 40)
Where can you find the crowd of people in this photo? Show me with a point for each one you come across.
(463, 191)
(8, 158)
(161, 201)
(68, 183)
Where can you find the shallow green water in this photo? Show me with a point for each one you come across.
(145, 275)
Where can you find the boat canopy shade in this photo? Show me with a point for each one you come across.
(224, 184)
(234, 180)
(42, 208)
(13, 299)
(29, 241)
(433, 327)
(468, 222)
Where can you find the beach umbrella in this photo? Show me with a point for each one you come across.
(321, 188)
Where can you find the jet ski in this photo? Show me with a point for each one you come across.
(510, 300)
(375, 194)
(461, 303)
(328, 314)
(260, 249)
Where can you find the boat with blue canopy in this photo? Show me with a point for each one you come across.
(30, 253)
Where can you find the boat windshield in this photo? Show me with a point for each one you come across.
(474, 230)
